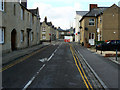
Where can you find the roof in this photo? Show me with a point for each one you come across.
(94, 12)
(82, 13)
(34, 11)
(49, 23)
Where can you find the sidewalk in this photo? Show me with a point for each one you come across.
(106, 70)
(9, 57)
(108, 54)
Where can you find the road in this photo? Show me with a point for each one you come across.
(55, 66)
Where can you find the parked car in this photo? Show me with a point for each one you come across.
(111, 45)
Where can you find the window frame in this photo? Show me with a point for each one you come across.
(2, 41)
(14, 10)
(22, 36)
(22, 13)
(43, 37)
(43, 29)
(2, 7)
(90, 21)
(31, 36)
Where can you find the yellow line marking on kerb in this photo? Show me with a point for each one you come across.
(21, 60)
(74, 54)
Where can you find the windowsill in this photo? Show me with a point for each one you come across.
(2, 43)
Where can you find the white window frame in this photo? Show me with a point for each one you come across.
(91, 21)
(22, 36)
(43, 29)
(90, 36)
(43, 37)
(2, 3)
(2, 35)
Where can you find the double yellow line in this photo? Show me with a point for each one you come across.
(21, 60)
(80, 69)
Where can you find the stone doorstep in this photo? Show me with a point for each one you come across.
(111, 55)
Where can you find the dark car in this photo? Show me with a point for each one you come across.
(109, 46)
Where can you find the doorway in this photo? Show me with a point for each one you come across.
(13, 40)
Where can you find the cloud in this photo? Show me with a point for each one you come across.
(62, 12)
(60, 16)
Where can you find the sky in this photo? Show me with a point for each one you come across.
(62, 12)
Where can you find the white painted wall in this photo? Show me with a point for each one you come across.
(77, 29)
(119, 3)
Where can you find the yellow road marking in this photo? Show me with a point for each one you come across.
(84, 72)
(74, 54)
(21, 60)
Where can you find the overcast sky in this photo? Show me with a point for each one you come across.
(62, 12)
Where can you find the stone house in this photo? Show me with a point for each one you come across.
(20, 26)
(109, 24)
(98, 24)
(48, 32)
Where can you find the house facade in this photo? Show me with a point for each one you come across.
(20, 27)
(48, 31)
(79, 15)
(108, 24)
(100, 24)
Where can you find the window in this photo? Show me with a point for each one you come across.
(22, 14)
(1, 5)
(91, 22)
(31, 36)
(32, 18)
(22, 36)
(1, 35)
(43, 37)
(14, 9)
(43, 29)
(28, 17)
(91, 35)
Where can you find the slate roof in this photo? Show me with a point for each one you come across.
(96, 11)
(82, 13)
(34, 11)
(49, 23)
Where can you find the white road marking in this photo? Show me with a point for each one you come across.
(33, 78)
(43, 60)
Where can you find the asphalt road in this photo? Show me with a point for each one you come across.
(59, 71)
(59, 66)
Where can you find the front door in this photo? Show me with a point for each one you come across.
(13, 40)
(92, 38)
(28, 37)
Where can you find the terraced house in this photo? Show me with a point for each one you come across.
(20, 26)
(48, 31)
(100, 24)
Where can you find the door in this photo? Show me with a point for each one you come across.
(28, 38)
(92, 38)
(13, 40)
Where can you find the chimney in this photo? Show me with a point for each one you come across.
(24, 3)
(45, 19)
(93, 6)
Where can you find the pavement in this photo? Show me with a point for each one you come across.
(107, 54)
(107, 71)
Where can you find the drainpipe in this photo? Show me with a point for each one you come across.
(96, 28)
